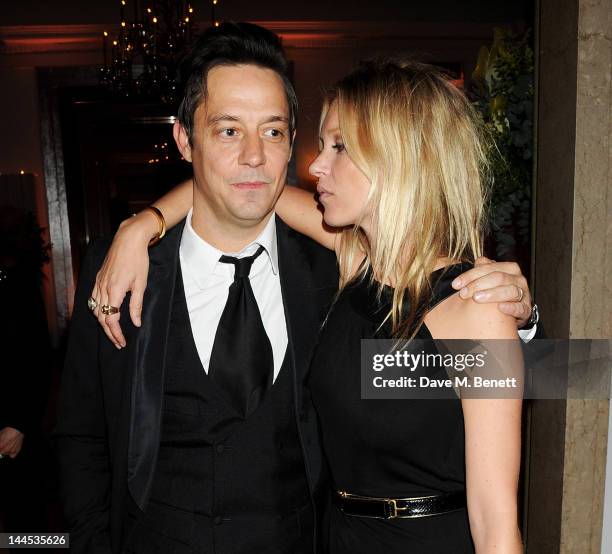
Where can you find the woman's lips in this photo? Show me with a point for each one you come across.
(323, 194)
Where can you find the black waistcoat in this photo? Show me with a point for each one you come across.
(223, 484)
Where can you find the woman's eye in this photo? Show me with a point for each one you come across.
(339, 147)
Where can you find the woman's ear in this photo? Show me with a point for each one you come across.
(182, 140)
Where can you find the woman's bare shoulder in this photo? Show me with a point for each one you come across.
(456, 318)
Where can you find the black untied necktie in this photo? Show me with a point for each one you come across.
(241, 361)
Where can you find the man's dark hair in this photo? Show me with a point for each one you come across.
(231, 44)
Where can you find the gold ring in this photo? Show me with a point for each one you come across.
(92, 303)
(109, 310)
(521, 294)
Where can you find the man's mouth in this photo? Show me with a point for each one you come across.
(249, 185)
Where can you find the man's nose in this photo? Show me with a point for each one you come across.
(252, 151)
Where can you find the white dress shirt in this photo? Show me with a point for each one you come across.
(207, 281)
(527, 334)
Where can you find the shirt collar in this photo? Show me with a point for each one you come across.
(202, 258)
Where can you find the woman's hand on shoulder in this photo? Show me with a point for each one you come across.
(124, 269)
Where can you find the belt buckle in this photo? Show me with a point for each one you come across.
(390, 508)
(393, 510)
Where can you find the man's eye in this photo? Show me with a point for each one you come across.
(274, 133)
(228, 132)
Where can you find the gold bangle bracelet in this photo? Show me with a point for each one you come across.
(162, 225)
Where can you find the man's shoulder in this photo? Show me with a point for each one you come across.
(312, 249)
(94, 254)
(98, 247)
(310, 256)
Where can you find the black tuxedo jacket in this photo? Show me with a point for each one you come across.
(109, 412)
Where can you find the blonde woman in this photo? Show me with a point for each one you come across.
(400, 182)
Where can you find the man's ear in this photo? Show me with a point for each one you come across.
(182, 140)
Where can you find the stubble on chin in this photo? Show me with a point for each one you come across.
(252, 209)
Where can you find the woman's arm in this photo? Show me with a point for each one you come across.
(493, 436)
(492, 460)
(297, 207)
(300, 210)
(492, 425)
(126, 265)
(174, 205)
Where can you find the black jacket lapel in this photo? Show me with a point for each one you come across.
(297, 287)
(309, 278)
(149, 361)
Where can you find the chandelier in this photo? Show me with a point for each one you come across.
(142, 59)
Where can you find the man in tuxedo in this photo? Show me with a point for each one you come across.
(193, 437)
(198, 436)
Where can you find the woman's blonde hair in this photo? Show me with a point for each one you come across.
(418, 140)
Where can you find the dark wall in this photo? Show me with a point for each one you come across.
(39, 12)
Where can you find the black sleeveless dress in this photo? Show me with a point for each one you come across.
(386, 448)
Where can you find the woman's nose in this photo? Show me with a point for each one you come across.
(317, 167)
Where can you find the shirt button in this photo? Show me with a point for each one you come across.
(218, 520)
(220, 448)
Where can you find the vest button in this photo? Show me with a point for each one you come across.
(220, 448)
(218, 520)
